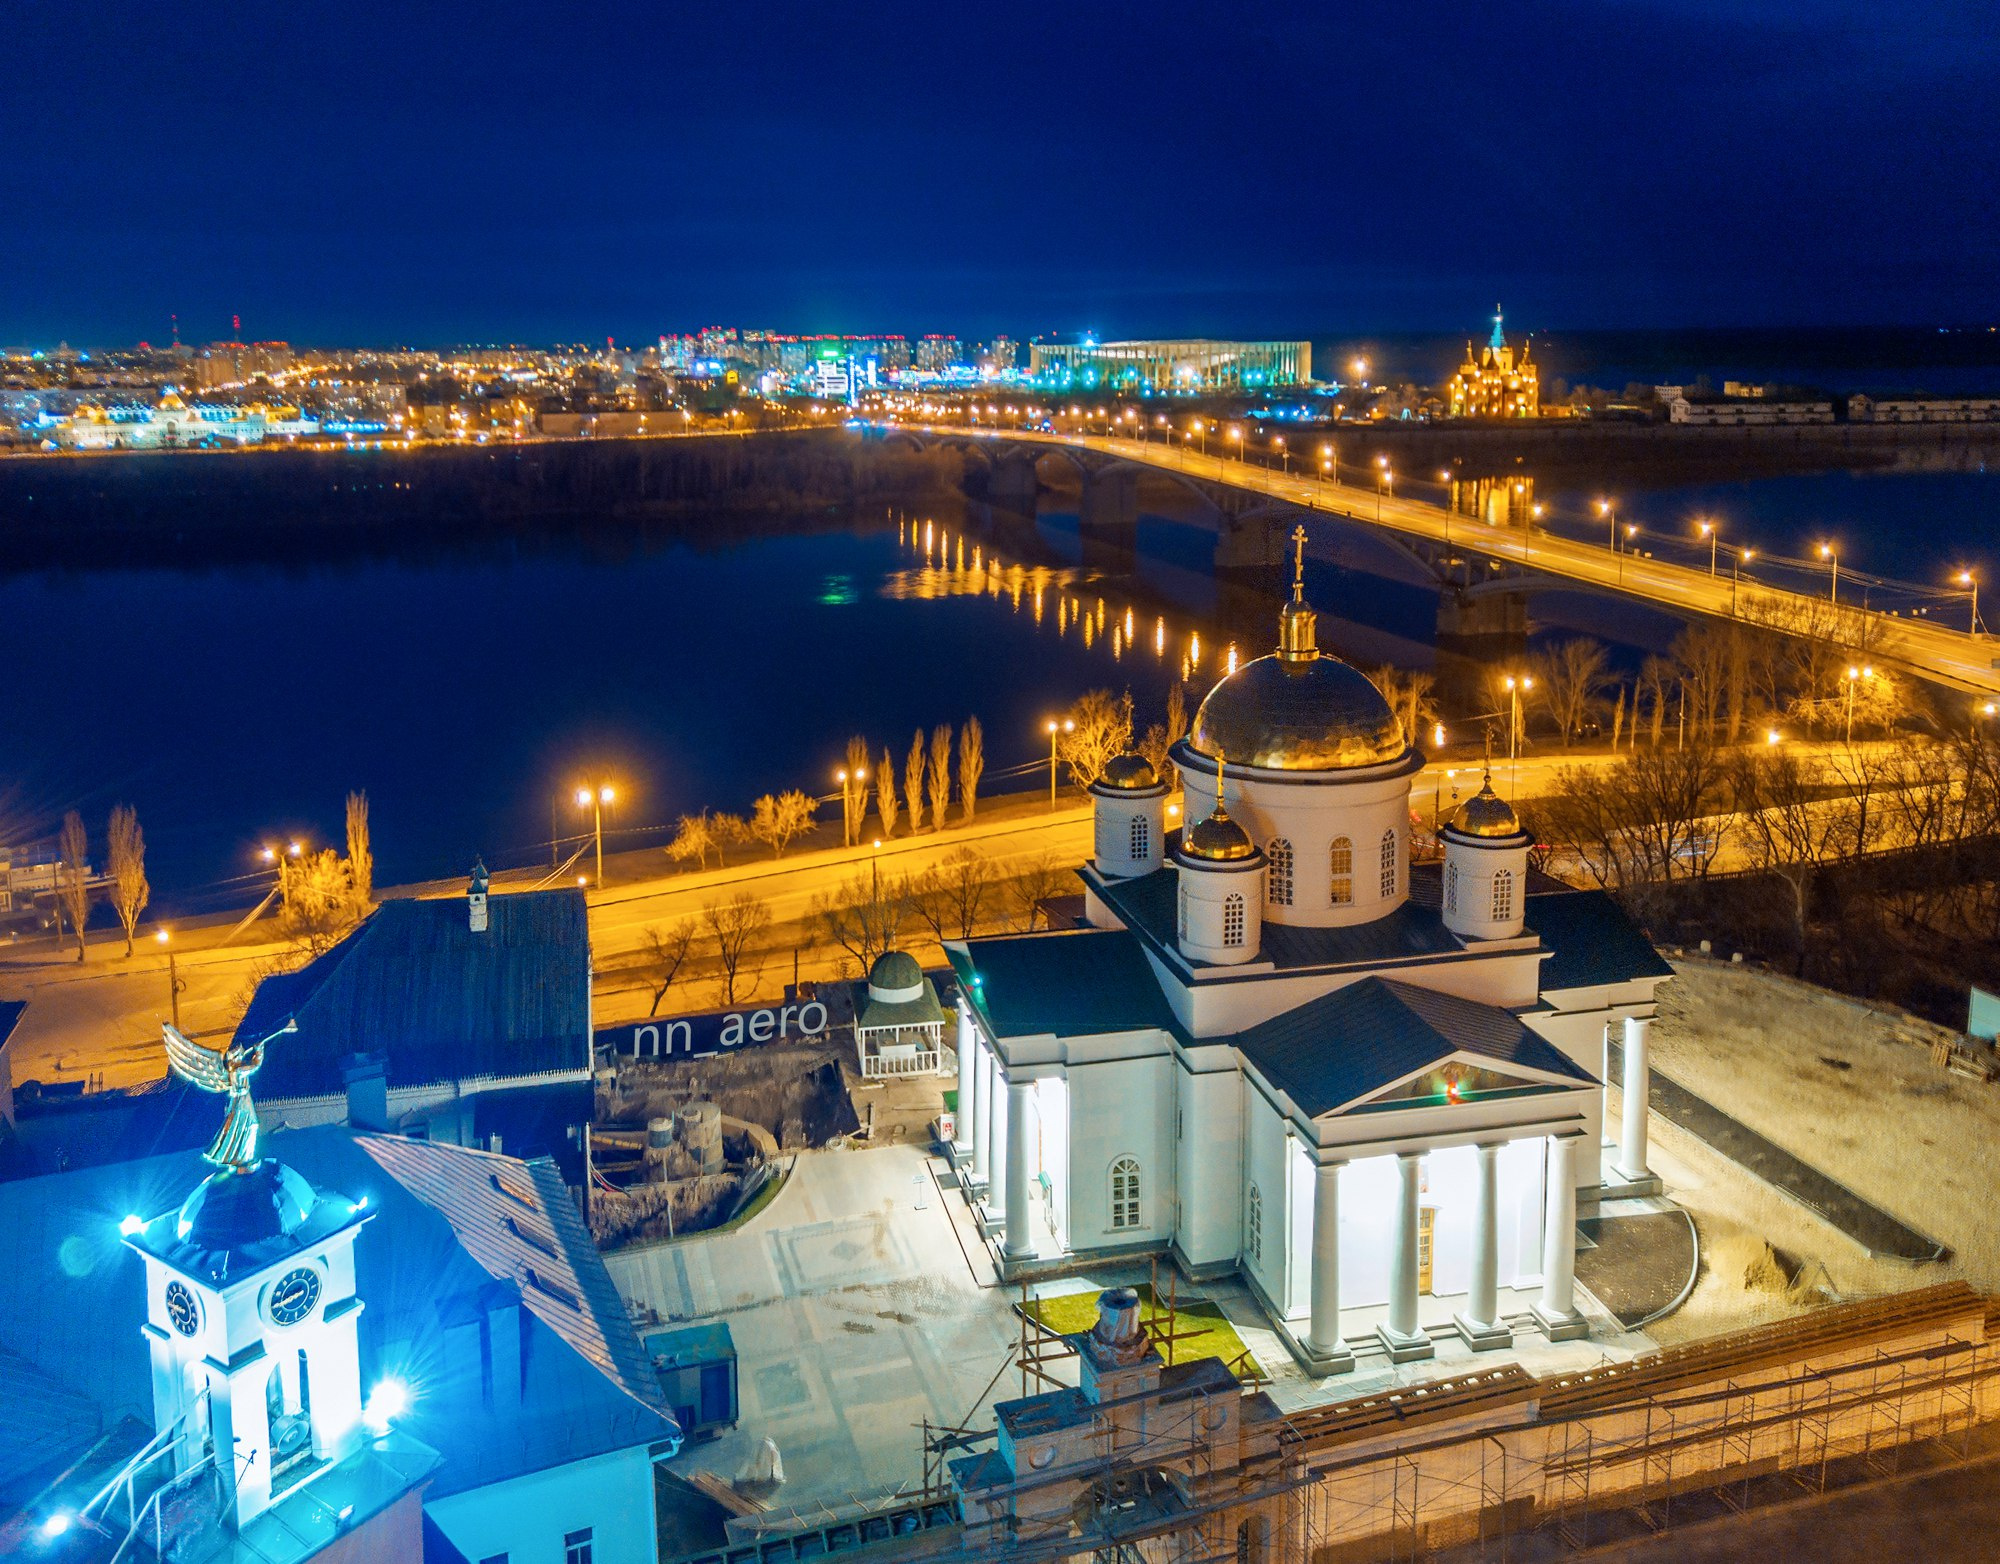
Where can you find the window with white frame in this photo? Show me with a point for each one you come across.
(1234, 918)
(1503, 895)
(577, 1547)
(1341, 861)
(1389, 863)
(1125, 1193)
(1253, 1227)
(1280, 891)
(1141, 837)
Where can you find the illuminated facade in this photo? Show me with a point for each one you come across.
(172, 422)
(1200, 364)
(1496, 384)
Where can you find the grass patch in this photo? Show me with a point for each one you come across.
(1203, 1329)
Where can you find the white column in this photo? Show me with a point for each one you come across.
(1400, 1334)
(1480, 1324)
(982, 1138)
(1638, 1097)
(1323, 1339)
(996, 1137)
(968, 1064)
(1557, 1310)
(1020, 1210)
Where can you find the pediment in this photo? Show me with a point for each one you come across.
(1455, 1078)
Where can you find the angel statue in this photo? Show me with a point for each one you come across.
(227, 1074)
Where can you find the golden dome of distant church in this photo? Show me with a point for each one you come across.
(1298, 709)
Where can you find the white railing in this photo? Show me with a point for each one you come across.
(924, 1061)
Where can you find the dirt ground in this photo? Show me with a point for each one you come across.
(1846, 1087)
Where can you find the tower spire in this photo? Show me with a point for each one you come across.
(1499, 339)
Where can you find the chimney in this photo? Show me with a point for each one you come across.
(367, 1078)
(475, 897)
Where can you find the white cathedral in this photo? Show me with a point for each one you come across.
(1279, 1048)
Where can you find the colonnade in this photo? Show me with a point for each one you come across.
(992, 1131)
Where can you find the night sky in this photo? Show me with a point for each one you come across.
(540, 172)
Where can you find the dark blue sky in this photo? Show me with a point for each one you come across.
(389, 172)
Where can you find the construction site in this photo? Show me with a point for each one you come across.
(1123, 1447)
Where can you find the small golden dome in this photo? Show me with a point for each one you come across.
(1218, 839)
(1486, 814)
(1129, 773)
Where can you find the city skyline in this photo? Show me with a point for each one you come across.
(388, 178)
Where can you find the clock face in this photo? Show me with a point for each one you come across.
(182, 1309)
(293, 1296)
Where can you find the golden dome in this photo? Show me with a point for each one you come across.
(1129, 773)
(1486, 814)
(1218, 839)
(1298, 713)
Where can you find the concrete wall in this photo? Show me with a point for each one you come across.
(1121, 1108)
(1210, 1159)
(528, 1517)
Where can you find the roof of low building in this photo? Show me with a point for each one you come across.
(454, 1232)
(1074, 983)
(416, 984)
(1339, 1048)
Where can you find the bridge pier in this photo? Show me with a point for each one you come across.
(1012, 484)
(1475, 636)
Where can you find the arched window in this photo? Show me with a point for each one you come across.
(1281, 873)
(1503, 895)
(1341, 861)
(1253, 1226)
(1125, 1192)
(1142, 838)
(1451, 886)
(1389, 863)
(1233, 919)
(1181, 900)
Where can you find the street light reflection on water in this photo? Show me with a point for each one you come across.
(955, 566)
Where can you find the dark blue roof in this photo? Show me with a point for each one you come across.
(1411, 931)
(1342, 1046)
(452, 1229)
(443, 1003)
(1592, 941)
(1074, 983)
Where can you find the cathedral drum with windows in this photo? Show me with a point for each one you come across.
(1278, 1048)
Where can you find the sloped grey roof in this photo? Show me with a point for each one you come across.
(1593, 941)
(1073, 983)
(442, 1003)
(1338, 1048)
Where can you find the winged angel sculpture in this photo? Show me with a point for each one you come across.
(227, 1074)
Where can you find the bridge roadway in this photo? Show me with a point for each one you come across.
(1950, 657)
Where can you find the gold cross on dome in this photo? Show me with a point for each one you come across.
(1299, 564)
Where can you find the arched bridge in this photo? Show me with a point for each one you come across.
(1441, 541)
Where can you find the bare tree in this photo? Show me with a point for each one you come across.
(666, 953)
(1177, 716)
(1099, 730)
(863, 916)
(954, 895)
(937, 780)
(360, 854)
(734, 925)
(1040, 880)
(72, 877)
(776, 819)
(971, 764)
(694, 840)
(913, 782)
(1572, 681)
(316, 899)
(1656, 680)
(125, 859)
(1650, 817)
(853, 790)
(1154, 745)
(1790, 828)
(726, 831)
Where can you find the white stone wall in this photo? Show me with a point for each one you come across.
(1204, 896)
(1468, 889)
(528, 1516)
(1121, 1108)
(1112, 819)
(1210, 1163)
(1266, 1154)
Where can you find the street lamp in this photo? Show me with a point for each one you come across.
(1383, 478)
(1631, 532)
(1854, 677)
(1827, 553)
(1201, 434)
(594, 798)
(1236, 434)
(174, 983)
(1515, 687)
(1326, 464)
(1967, 579)
(851, 783)
(1284, 455)
(1708, 531)
(1065, 726)
(1736, 564)
(1610, 521)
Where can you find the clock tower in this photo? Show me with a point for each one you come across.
(251, 1317)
